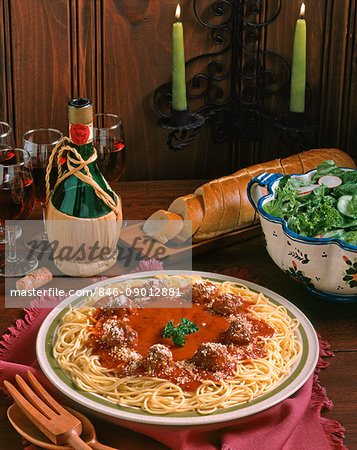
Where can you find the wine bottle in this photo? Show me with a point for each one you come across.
(73, 196)
(83, 212)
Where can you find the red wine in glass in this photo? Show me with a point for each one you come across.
(17, 198)
(111, 158)
(108, 140)
(40, 143)
(6, 141)
(17, 201)
(39, 176)
(17, 194)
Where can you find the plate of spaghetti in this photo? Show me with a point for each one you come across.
(228, 348)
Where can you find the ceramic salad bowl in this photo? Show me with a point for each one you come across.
(325, 266)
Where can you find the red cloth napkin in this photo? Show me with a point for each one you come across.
(294, 424)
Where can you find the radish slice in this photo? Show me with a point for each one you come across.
(307, 189)
(331, 181)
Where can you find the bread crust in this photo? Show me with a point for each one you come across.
(213, 210)
(231, 204)
(292, 164)
(311, 158)
(247, 212)
(191, 208)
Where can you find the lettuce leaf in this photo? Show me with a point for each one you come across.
(286, 198)
(348, 186)
(349, 236)
(327, 168)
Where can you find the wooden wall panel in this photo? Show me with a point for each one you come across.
(117, 52)
(41, 63)
(89, 57)
(137, 59)
(349, 117)
(6, 89)
(334, 71)
(279, 37)
(331, 74)
(338, 112)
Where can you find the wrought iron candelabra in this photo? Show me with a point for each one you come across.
(234, 99)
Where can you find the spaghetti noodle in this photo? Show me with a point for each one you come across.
(214, 370)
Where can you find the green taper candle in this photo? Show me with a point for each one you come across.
(298, 70)
(179, 101)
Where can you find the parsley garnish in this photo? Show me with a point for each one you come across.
(177, 334)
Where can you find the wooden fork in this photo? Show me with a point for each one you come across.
(58, 424)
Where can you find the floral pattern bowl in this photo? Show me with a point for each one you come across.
(325, 266)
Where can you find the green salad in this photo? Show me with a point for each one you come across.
(324, 207)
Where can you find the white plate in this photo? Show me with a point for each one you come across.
(299, 374)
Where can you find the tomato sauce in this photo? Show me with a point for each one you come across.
(143, 328)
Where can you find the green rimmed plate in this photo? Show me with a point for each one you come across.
(301, 371)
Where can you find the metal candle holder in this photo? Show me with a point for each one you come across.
(184, 127)
(234, 99)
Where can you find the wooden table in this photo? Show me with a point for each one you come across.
(336, 323)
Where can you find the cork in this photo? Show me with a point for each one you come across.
(80, 110)
(35, 279)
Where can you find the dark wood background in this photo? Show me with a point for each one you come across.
(117, 52)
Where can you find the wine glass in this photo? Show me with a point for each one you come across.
(17, 201)
(6, 139)
(108, 140)
(40, 143)
(6, 134)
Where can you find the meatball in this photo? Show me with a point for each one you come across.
(158, 357)
(239, 332)
(115, 332)
(120, 313)
(211, 356)
(226, 304)
(203, 291)
(186, 293)
(156, 283)
(124, 354)
(118, 302)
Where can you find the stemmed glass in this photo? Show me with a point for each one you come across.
(6, 134)
(17, 201)
(6, 139)
(108, 140)
(40, 143)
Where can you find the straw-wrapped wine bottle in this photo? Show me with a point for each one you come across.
(84, 216)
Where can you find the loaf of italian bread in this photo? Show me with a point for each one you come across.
(221, 206)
